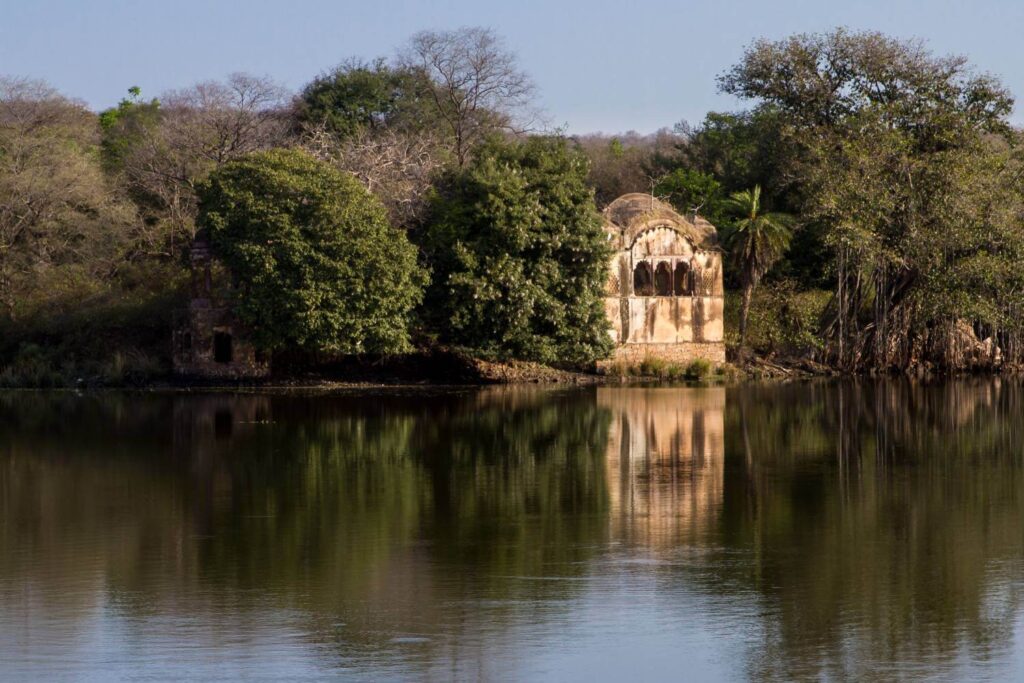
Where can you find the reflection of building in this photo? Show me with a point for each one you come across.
(664, 296)
(208, 426)
(666, 449)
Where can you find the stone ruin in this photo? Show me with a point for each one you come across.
(665, 297)
(208, 341)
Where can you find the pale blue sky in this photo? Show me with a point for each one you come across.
(609, 66)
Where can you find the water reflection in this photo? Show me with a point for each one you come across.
(666, 451)
(860, 530)
(886, 519)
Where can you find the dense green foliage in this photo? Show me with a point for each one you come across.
(357, 96)
(691, 191)
(741, 150)
(904, 161)
(783, 319)
(124, 127)
(315, 263)
(519, 256)
(902, 175)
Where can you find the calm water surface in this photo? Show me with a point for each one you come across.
(858, 531)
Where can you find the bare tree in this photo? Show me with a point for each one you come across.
(397, 166)
(479, 86)
(217, 122)
(199, 129)
(56, 208)
(629, 162)
(28, 105)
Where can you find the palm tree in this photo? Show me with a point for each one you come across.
(756, 241)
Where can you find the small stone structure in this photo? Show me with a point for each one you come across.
(665, 297)
(208, 341)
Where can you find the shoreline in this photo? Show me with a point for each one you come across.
(448, 369)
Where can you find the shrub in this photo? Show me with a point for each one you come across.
(114, 333)
(30, 368)
(52, 367)
(699, 369)
(130, 367)
(674, 372)
(653, 367)
(618, 369)
(519, 255)
(316, 265)
(727, 371)
(783, 320)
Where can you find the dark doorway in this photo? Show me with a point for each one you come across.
(222, 350)
(643, 280)
(682, 278)
(663, 279)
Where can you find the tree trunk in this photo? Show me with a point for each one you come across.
(7, 295)
(748, 294)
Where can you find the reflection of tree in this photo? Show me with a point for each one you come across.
(365, 507)
(517, 478)
(881, 518)
(870, 523)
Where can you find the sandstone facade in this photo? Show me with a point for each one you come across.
(665, 294)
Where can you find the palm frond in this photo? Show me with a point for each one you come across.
(756, 240)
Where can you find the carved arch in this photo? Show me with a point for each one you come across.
(638, 229)
(654, 241)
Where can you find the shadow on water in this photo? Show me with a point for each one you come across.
(839, 530)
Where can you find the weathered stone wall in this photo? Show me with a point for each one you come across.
(666, 320)
(195, 345)
(208, 341)
(679, 353)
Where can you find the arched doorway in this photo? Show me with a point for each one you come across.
(682, 279)
(663, 279)
(643, 279)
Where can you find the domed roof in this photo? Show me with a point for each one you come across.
(632, 214)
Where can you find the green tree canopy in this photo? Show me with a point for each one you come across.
(899, 162)
(519, 256)
(124, 127)
(690, 190)
(315, 263)
(357, 96)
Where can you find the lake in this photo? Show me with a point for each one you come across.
(859, 530)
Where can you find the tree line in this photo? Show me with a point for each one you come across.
(869, 197)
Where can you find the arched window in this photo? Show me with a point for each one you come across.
(643, 279)
(682, 279)
(663, 279)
